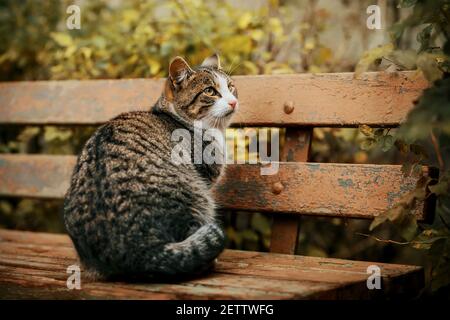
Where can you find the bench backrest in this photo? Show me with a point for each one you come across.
(297, 102)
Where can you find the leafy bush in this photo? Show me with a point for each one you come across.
(428, 124)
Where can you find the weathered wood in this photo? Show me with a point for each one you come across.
(337, 99)
(41, 176)
(351, 190)
(33, 265)
(284, 236)
(285, 228)
(324, 189)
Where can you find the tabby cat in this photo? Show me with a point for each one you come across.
(130, 209)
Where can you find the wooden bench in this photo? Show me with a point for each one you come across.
(33, 265)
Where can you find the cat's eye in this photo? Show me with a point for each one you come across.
(210, 91)
(231, 87)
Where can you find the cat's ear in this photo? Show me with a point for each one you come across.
(179, 70)
(212, 61)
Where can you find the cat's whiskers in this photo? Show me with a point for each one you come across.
(230, 67)
(234, 68)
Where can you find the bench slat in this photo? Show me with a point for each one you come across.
(336, 99)
(350, 190)
(33, 266)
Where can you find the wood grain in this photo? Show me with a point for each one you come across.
(336, 99)
(342, 190)
(33, 265)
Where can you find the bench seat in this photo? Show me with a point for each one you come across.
(33, 265)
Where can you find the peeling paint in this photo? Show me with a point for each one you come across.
(345, 183)
(328, 100)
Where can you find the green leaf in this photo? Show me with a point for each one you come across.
(441, 188)
(53, 133)
(406, 3)
(431, 112)
(369, 57)
(378, 132)
(386, 142)
(378, 220)
(428, 64)
(28, 133)
(260, 223)
(408, 226)
(424, 37)
(397, 30)
(391, 214)
(367, 143)
(404, 59)
(249, 235)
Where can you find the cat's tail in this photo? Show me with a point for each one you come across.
(194, 253)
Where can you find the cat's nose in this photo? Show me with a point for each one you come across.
(232, 103)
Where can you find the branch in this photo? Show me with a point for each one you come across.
(384, 240)
(394, 242)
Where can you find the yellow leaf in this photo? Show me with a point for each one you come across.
(275, 26)
(133, 59)
(130, 15)
(87, 52)
(154, 65)
(257, 35)
(250, 67)
(366, 130)
(244, 20)
(63, 39)
(70, 51)
(310, 44)
(314, 69)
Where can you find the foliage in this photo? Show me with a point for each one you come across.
(137, 38)
(25, 32)
(428, 124)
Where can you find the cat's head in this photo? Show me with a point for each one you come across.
(205, 93)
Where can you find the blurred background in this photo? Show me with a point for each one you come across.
(137, 39)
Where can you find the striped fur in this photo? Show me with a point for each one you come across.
(132, 212)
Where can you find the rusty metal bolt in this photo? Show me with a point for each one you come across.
(288, 107)
(277, 187)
